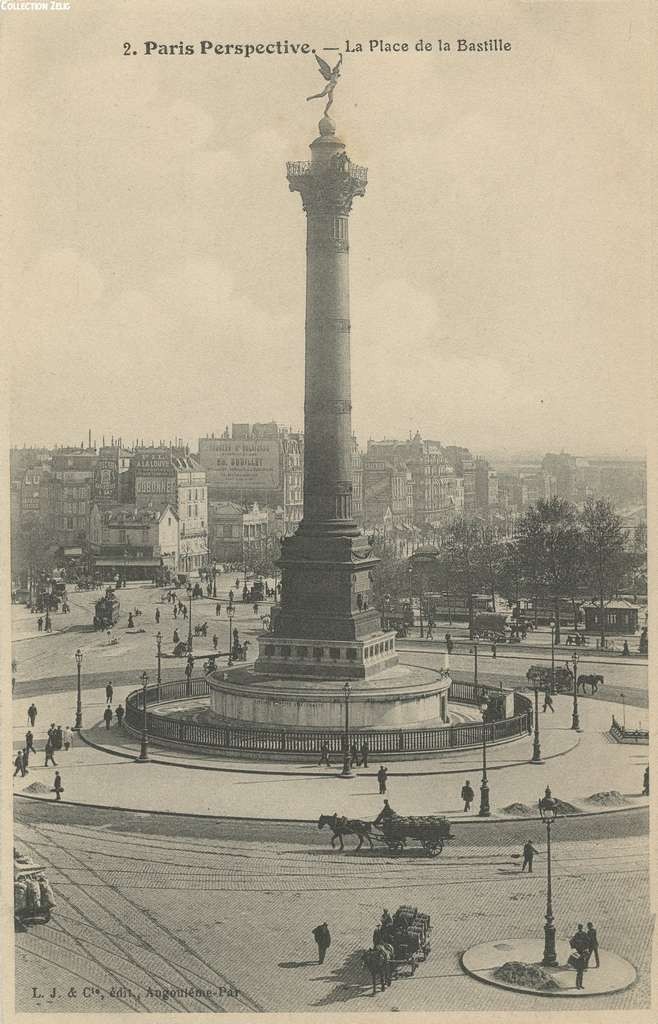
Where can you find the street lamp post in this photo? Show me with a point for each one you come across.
(575, 720)
(158, 641)
(214, 579)
(536, 749)
(347, 771)
(548, 812)
(623, 711)
(484, 811)
(189, 632)
(229, 612)
(552, 625)
(475, 662)
(144, 750)
(78, 709)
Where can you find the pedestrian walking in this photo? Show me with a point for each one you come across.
(215, 640)
(19, 765)
(625, 651)
(109, 693)
(25, 759)
(51, 735)
(645, 782)
(29, 741)
(157, 616)
(218, 609)
(324, 756)
(32, 714)
(58, 788)
(578, 959)
(176, 638)
(528, 853)
(354, 756)
(382, 776)
(493, 649)
(237, 584)
(468, 795)
(68, 737)
(365, 750)
(430, 631)
(49, 752)
(449, 643)
(131, 621)
(58, 738)
(323, 940)
(548, 702)
(107, 715)
(39, 623)
(119, 712)
(175, 611)
(593, 944)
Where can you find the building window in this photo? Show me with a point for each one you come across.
(334, 653)
(612, 618)
(350, 654)
(269, 650)
(285, 651)
(318, 653)
(301, 652)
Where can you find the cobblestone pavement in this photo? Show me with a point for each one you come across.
(167, 904)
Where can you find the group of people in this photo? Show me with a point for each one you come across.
(108, 714)
(57, 738)
(358, 756)
(585, 945)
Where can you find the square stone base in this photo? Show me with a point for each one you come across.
(326, 659)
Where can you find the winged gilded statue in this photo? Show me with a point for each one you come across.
(331, 75)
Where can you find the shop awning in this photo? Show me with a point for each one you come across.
(149, 563)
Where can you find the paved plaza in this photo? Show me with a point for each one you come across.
(231, 902)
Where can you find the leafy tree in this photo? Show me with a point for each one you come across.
(462, 554)
(550, 551)
(32, 549)
(491, 557)
(604, 557)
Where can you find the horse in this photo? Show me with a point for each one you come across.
(378, 961)
(593, 681)
(346, 827)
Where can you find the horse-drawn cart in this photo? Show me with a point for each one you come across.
(432, 832)
(399, 944)
(33, 895)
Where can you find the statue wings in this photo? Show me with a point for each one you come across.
(326, 71)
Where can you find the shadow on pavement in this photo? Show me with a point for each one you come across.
(350, 981)
(298, 963)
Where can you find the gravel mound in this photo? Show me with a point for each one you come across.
(37, 787)
(527, 975)
(519, 810)
(565, 808)
(608, 798)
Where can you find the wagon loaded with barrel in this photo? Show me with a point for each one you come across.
(431, 831)
(399, 944)
(33, 895)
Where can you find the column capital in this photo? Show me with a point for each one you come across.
(331, 189)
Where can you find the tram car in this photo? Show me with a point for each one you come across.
(106, 610)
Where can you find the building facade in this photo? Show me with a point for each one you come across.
(134, 543)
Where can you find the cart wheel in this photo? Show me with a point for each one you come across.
(414, 968)
(46, 916)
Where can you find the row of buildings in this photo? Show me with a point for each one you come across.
(145, 506)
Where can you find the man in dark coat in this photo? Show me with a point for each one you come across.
(323, 940)
(354, 756)
(593, 943)
(32, 714)
(19, 765)
(58, 738)
(57, 786)
(528, 853)
(645, 782)
(468, 795)
(324, 756)
(29, 741)
(548, 701)
(157, 616)
(365, 750)
(382, 775)
(49, 751)
(109, 693)
(107, 715)
(385, 814)
(119, 712)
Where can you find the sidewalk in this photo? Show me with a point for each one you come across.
(577, 766)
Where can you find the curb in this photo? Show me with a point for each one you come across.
(551, 994)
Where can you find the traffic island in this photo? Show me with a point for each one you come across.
(516, 964)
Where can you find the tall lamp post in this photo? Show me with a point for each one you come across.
(475, 663)
(144, 750)
(484, 811)
(623, 706)
(78, 709)
(158, 642)
(347, 771)
(536, 749)
(214, 579)
(189, 632)
(548, 812)
(230, 612)
(552, 625)
(575, 720)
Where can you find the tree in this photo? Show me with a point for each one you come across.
(550, 551)
(462, 553)
(31, 549)
(491, 558)
(604, 557)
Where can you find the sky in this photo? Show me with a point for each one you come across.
(499, 261)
